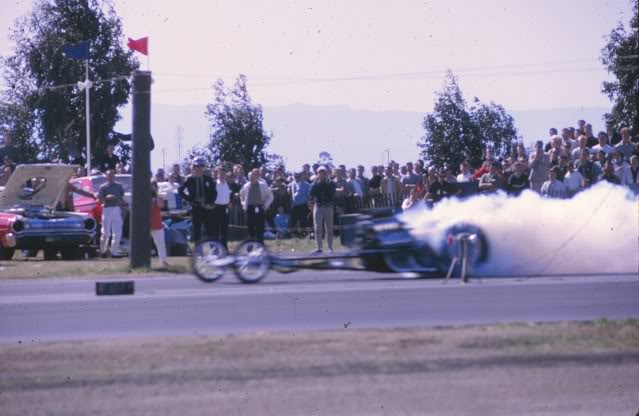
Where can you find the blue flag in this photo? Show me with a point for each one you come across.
(77, 51)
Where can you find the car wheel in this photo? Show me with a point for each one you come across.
(208, 261)
(50, 253)
(6, 253)
(477, 245)
(252, 261)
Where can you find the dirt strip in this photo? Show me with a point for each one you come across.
(539, 369)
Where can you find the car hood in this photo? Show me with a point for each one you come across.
(53, 180)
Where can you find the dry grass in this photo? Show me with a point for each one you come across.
(567, 367)
(22, 268)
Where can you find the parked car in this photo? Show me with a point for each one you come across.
(176, 244)
(29, 219)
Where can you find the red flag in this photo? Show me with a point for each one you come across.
(141, 45)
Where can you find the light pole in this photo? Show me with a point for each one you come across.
(86, 86)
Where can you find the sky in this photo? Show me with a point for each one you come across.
(371, 55)
(521, 54)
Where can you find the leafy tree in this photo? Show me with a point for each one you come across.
(42, 105)
(275, 161)
(326, 159)
(237, 132)
(455, 132)
(620, 56)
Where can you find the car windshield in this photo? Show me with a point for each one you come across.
(125, 181)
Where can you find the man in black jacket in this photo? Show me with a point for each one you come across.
(201, 194)
(322, 195)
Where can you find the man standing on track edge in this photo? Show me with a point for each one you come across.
(201, 195)
(256, 197)
(322, 195)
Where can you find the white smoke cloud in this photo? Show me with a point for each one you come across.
(597, 231)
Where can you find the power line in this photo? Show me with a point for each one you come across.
(401, 74)
(381, 78)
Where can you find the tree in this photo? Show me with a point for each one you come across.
(621, 58)
(455, 132)
(237, 133)
(326, 159)
(42, 106)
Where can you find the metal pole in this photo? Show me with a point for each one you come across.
(140, 223)
(88, 117)
(464, 248)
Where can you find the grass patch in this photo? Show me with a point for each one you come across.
(23, 268)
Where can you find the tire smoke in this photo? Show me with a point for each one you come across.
(596, 231)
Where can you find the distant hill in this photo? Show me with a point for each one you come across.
(352, 136)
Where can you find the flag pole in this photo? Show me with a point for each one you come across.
(88, 114)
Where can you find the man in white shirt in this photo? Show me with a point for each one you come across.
(573, 180)
(625, 146)
(256, 197)
(568, 141)
(576, 152)
(603, 144)
(553, 188)
(622, 169)
(356, 183)
(222, 207)
(465, 174)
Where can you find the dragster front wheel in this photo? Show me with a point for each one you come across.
(252, 261)
(208, 260)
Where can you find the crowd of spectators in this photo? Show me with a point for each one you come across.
(557, 167)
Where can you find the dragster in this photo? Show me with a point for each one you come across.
(378, 241)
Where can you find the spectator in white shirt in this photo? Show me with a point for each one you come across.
(573, 180)
(465, 173)
(568, 141)
(603, 144)
(622, 169)
(356, 184)
(553, 188)
(582, 144)
(413, 201)
(221, 209)
(625, 146)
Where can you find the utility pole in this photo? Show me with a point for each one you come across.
(179, 131)
(387, 155)
(140, 223)
(164, 159)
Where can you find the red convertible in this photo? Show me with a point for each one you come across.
(30, 218)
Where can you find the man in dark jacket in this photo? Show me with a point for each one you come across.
(322, 195)
(201, 194)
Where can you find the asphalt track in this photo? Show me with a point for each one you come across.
(68, 309)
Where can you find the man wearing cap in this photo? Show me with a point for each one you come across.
(256, 197)
(322, 195)
(492, 181)
(201, 193)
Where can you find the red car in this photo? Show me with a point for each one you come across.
(30, 219)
